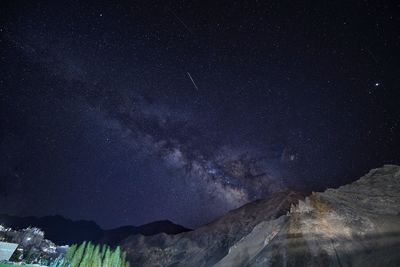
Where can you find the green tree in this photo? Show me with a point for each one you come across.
(116, 257)
(103, 251)
(107, 257)
(69, 255)
(78, 255)
(96, 257)
(87, 255)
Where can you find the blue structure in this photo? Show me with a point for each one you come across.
(6, 250)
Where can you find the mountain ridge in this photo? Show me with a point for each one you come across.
(64, 231)
(357, 224)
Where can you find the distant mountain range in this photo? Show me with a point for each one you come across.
(64, 231)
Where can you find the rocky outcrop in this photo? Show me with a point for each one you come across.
(355, 225)
(207, 245)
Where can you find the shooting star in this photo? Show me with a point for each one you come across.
(372, 55)
(194, 84)
(181, 21)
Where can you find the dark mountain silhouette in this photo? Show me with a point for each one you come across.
(64, 231)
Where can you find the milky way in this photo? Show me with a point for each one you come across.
(225, 175)
(132, 112)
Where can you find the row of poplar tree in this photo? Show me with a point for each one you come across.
(89, 255)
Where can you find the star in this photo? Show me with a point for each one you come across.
(180, 112)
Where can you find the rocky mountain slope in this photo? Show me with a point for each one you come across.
(208, 244)
(355, 225)
(63, 231)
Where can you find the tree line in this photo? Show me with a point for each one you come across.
(89, 255)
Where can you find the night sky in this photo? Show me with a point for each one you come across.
(126, 112)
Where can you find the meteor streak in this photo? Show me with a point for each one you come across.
(194, 84)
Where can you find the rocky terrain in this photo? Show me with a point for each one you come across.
(32, 246)
(208, 244)
(355, 225)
